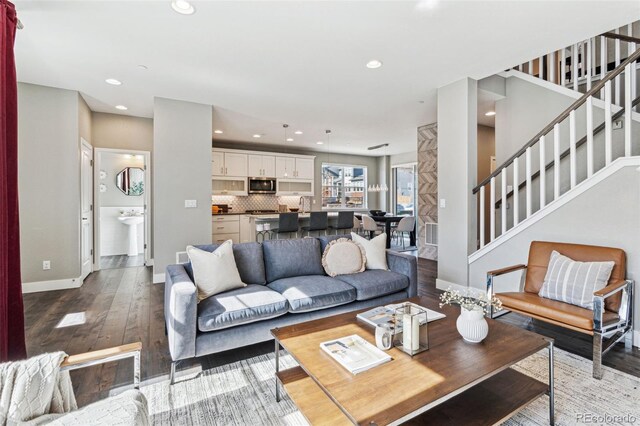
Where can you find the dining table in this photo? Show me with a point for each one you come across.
(388, 219)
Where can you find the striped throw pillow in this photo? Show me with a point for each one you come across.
(574, 282)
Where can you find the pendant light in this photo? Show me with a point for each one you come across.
(377, 187)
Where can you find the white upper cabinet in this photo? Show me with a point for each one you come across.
(285, 167)
(304, 168)
(235, 164)
(217, 163)
(262, 165)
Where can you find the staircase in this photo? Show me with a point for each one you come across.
(601, 69)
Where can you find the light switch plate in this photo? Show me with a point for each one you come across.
(443, 203)
(190, 204)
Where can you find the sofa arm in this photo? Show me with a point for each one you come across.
(180, 312)
(406, 265)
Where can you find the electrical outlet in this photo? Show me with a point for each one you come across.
(46, 265)
(190, 204)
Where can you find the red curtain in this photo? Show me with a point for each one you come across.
(12, 344)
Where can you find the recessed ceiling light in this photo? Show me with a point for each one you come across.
(320, 142)
(289, 139)
(257, 135)
(183, 7)
(219, 132)
(490, 113)
(427, 4)
(121, 107)
(373, 64)
(143, 67)
(113, 81)
(298, 132)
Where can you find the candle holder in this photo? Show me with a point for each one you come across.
(413, 337)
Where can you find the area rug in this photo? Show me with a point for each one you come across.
(243, 393)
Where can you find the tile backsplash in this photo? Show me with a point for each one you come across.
(257, 202)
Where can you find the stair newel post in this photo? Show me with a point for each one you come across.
(482, 219)
(556, 161)
(589, 112)
(628, 97)
(492, 210)
(618, 87)
(552, 67)
(527, 160)
(608, 127)
(588, 65)
(543, 173)
(572, 148)
(516, 200)
(503, 204)
(603, 61)
(574, 66)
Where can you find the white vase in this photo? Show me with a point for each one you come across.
(472, 325)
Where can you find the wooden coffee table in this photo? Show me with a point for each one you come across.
(453, 382)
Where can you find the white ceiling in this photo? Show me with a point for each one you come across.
(264, 63)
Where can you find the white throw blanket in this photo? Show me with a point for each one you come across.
(34, 387)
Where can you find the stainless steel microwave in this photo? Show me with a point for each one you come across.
(261, 185)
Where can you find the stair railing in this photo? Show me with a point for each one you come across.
(628, 67)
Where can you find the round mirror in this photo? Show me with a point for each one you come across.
(131, 181)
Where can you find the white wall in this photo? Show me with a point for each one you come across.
(457, 163)
(112, 164)
(606, 215)
(122, 132)
(181, 171)
(49, 182)
(404, 158)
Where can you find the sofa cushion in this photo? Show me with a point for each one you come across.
(375, 282)
(313, 292)
(215, 272)
(343, 256)
(292, 258)
(553, 310)
(241, 306)
(249, 261)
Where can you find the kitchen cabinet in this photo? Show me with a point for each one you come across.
(262, 165)
(228, 185)
(228, 164)
(225, 228)
(294, 187)
(294, 167)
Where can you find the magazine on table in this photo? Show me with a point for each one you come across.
(384, 315)
(354, 353)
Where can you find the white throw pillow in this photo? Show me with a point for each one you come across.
(574, 282)
(375, 250)
(214, 272)
(343, 256)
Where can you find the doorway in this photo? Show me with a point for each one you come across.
(405, 184)
(122, 191)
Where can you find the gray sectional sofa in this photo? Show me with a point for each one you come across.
(286, 284)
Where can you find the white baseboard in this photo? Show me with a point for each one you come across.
(636, 338)
(444, 285)
(158, 278)
(38, 286)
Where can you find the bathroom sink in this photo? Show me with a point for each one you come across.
(131, 220)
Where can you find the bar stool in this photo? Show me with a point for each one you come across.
(287, 224)
(318, 221)
(261, 232)
(345, 222)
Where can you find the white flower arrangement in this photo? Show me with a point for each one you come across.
(470, 301)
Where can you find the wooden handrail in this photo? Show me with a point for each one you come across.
(566, 152)
(561, 117)
(621, 37)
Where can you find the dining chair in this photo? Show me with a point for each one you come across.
(369, 226)
(357, 226)
(406, 225)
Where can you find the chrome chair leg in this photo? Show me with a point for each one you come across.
(597, 355)
(172, 374)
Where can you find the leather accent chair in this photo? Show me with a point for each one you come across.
(612, 315)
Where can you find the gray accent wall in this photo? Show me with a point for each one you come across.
(49, 181)
(457, 163)
(181, 171)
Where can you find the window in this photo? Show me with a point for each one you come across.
(344, 186)
(404, 189)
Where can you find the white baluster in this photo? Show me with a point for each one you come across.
(492, 210)
(503, 205)
(572, 148)
(603, 61)
(574, 66)
(632, 48)
(608, 128)
(618, 93)
(628, 122)
(543, 173)
(516, 184)
(520, 67)
(589, 112)
(563, 67)
(556, 161)
(482, 216)
(552, 67)
(530, 68)
(541, 67)
(588, 65)
(528, 172)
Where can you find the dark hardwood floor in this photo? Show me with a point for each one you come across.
(123, 306)
(121, 261)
